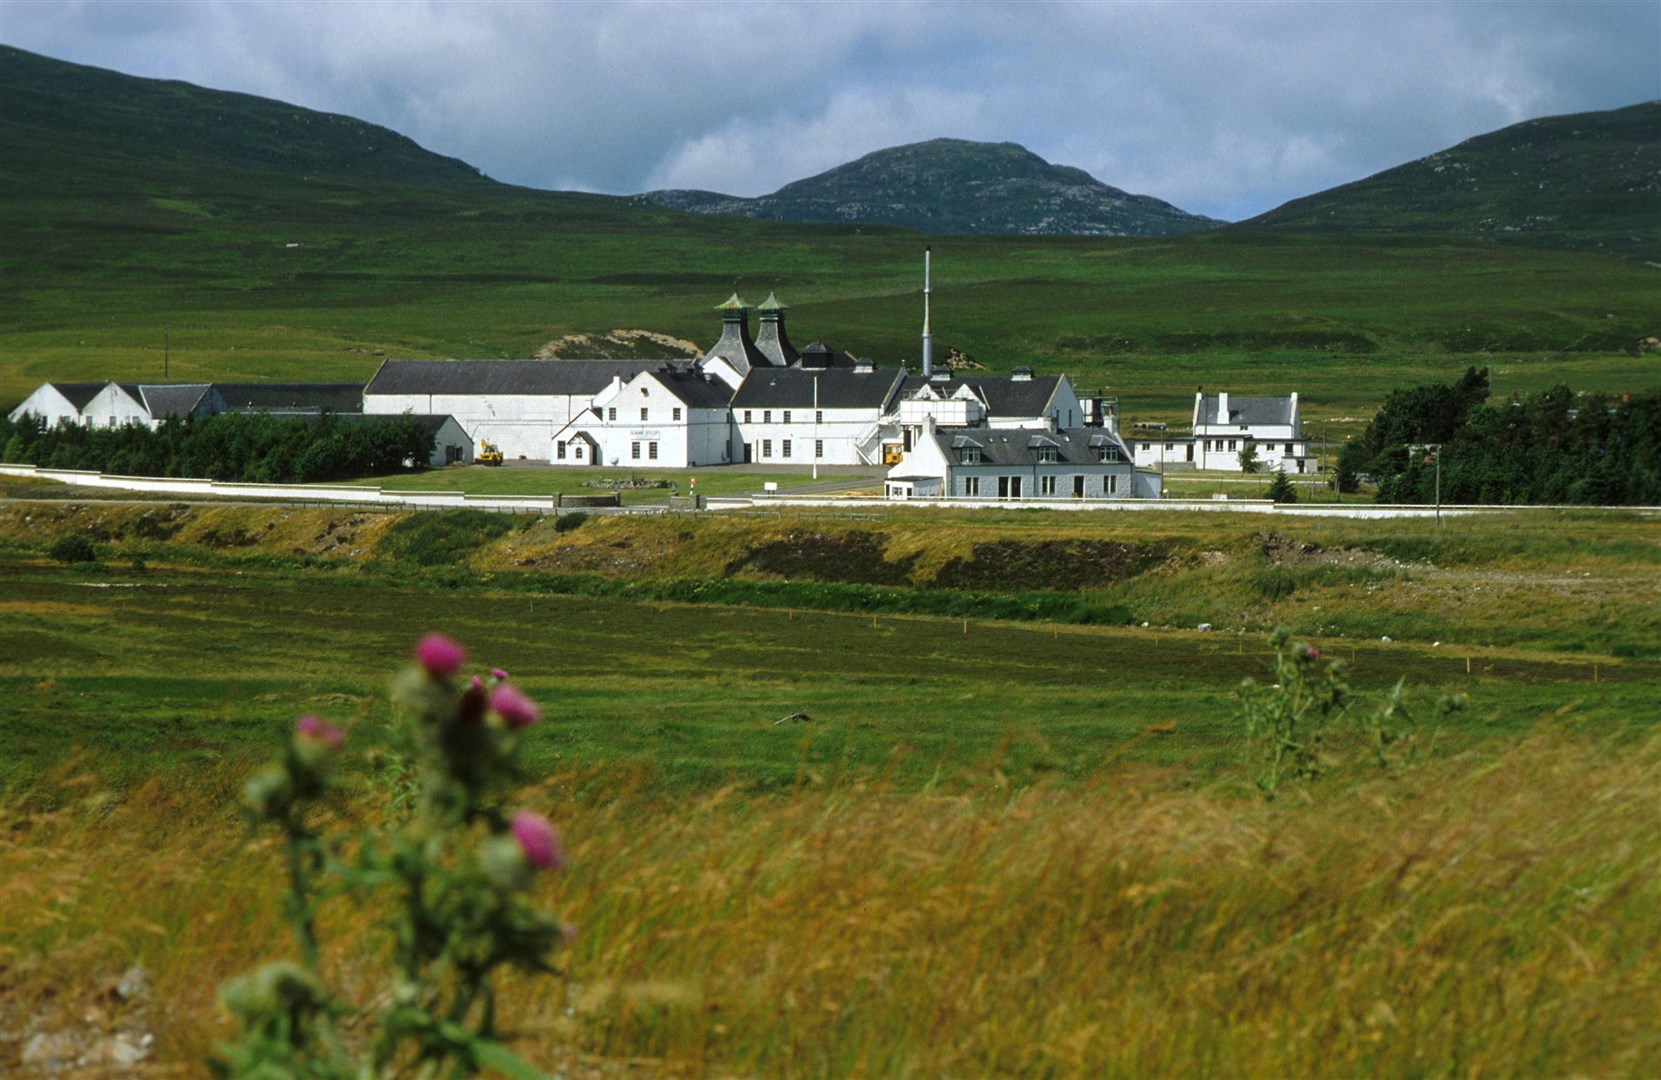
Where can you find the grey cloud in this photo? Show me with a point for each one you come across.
(1222, 108)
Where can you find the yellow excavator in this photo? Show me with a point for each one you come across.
(489, 453)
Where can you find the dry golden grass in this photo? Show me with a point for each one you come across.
(1495, 914)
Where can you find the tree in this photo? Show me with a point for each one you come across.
(1248, 458)
(1281, 490)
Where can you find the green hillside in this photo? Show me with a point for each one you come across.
(285, 273)
(1590, 181)
(58, 109)
(956, 186)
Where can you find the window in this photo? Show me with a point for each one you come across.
(746, 416)
(651, 450)
(634, 451)
(675, 414)
(1046, 485)
(1110, 484)
(818, 448)
(644, 414)
(1170, 446)
(818, 416)
(1109, 453)
(577, 451)
(611, 413)
(969, 455)
(766, 448)
(971, 485)
(767, 416)
(787, 416)
(784, 448)
(1047, 455)
(1234, 444)
(1288, 448)
(559, 450)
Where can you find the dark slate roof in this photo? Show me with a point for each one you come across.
(820, 355)
(694, 388)
(1003, 395)
(1251, 411)
(162, 400)
(771, 339)
(78, 393)
(736, 346)
(291, 397)
(839, 388)
(1019, 446)
(433, 422)
(503, 377)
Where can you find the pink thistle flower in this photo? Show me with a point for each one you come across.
(517, 709)
(320, 730)
(439, 655)
(498, 674)
(1314, 654)
(538, 840)
(477, 683)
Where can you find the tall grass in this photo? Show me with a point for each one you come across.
(1497, 913)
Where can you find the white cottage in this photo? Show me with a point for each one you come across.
(58, 402)
(1019, 464)
(1223, 425)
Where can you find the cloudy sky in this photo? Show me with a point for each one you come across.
(1226, 109)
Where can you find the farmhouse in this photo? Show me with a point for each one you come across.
(1018, 463)
(1223, 425)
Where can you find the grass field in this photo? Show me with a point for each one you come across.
(1024, 848)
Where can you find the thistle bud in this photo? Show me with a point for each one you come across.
(515, 709)
(269, 793)
(504, 863)
(538, 840)
(439, 655)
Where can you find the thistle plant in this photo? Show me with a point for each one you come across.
(1287, 723)
(458, 870)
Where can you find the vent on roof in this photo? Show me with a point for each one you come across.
(864, 365)
(1021, 374)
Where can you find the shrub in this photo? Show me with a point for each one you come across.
(1281, 489)
(566, 522)
(73, 548)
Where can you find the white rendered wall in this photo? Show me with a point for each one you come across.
(48, 404)
(522, 425)
(112, 407)
(838, 429)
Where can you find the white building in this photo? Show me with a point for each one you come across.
(670, 417)
(1019, 464)
(517, 404)
(58, 402)
(1223, 425)
(807, 415)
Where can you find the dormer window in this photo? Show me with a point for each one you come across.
(1109, 453)
(1047, 455)
(969, 455)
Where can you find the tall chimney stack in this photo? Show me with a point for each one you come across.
(928, 339)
